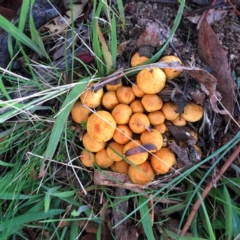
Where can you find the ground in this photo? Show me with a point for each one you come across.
(166, 198)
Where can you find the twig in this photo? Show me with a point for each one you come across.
(207, 190)
(233, 7)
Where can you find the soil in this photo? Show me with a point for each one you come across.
(185, 40)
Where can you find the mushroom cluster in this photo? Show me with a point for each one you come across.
(126, 131)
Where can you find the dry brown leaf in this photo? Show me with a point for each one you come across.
(140, 149)
(155, 34)
(212, 53)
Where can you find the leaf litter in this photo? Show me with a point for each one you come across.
(210, 84)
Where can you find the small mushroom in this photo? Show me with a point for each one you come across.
(152, 102)
(141, 174)
(122, 113)
(90, 98)
(120, 167)
(137, 158)
(151, 80)
(125, 95)
(115, 151)
(163, 160)
(122, 134)
(79, 113)
(113, 87)
(109, 100)
(169, 110)
(91, 144)
(152, 137)
(162, 128)
(87, 158)
(192, 112)
(137, 106)
(170, 72)
(102, 159)
(138, 60)
(156, 117)
(179, 121)
(137, 91)
(139, 122)
(101, 126)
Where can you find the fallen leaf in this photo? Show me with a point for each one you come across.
(211, 52)
(140, 149)
(155, 34)
(213, 15)
(7, 13)
(181, 134)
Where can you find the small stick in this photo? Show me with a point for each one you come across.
(207, 190)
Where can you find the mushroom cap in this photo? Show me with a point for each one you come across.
(90, 98)
(163, 160)
(122, 134)
(87, 158)
(170, 72)
(79, 113)
(139, 122)
(125, 95)
(137, 106)
(169, 110)
(137, 59)
(151, 80)
(192, 112)
(137, 91)
(179, 121)
(91, 144)
(142, 174)
(152, 137)
(120, 167)
(152, 102)
(122, 113)
(137, 158)
(102, 159)
(101, 126)
(156, 117)
(118, 148)
(109, 100)
(113, 87)
(162, 128)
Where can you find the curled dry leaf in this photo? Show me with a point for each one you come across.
(212, 53)
(213, 15)
(155, 34)
(140, 149)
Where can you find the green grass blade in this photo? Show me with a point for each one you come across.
(121, 11)
(74, 231)
(96, 44)
(207, 223)
(236, 224)
(20, 36)
(23, 15)
(145, 219)
(228, 214)
(113, 47)
(62, 117)
(18, 221)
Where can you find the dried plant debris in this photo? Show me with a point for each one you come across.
(155, 34)
(125, 230)
(186, 154)
(212, 53)
(181, 134)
